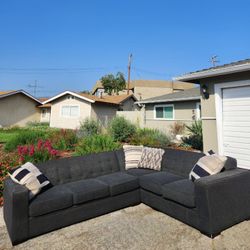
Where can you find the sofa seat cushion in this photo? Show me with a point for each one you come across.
(87, 190)
(53, 199)
(154, 182)
(181, 191)
(120, 182)
(140, 171)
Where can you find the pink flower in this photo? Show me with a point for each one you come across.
(32, 150)
(39, 144)
(25, 150)
(53, 152)
(20, 150)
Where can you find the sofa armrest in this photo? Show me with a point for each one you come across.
(15, 210)
(223, 200)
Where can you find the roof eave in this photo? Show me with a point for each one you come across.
(213, 72)
(23, 92)
(70, 93)
(169, 100)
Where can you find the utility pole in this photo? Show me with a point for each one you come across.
(129, 68)
(214, 60)
(34, 87)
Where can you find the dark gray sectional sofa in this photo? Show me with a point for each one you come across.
(89, 186)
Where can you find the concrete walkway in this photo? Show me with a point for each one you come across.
(134, 228)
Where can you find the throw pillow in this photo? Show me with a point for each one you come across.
(151, 158)
(207, 165)
(132, 156)
(29, 176)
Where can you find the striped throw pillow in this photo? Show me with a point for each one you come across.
(29, 176)
(132, 156)
(151, 158)
(207, 165)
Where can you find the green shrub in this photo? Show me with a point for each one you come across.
(96, 144)
(195, 139)
(121, 129)
(150, 137)
(25, 137)
(89, 127)
(64, 139)
(38, 124)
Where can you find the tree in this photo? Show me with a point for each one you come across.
(113, 83)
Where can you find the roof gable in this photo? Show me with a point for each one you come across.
(4, 94)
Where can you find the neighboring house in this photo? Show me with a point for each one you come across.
(163, 111)
(17, 108)
(225, 109)
(68, 109)
(144, 89)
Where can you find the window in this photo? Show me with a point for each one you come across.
(164, 112)
(70, 111)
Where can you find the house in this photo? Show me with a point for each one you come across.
(225, 108)
(17, 108)
(144, 89)
(68, 109)
(163, 111)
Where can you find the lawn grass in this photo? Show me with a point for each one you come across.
(7, 135)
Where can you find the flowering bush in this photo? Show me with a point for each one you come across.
(64, 139)
(6, 163)
(41, 152)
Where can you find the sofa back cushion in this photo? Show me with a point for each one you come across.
(179, 161)
(80, 167)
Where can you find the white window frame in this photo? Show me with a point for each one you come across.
(163, 106)
(218, 91)
(70, 105)
(198, 112)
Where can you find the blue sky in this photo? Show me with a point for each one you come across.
(69, 44)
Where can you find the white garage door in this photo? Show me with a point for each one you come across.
(236, 124)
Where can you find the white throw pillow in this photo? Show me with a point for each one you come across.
(132, 155)
(207, 165)
(29, 176)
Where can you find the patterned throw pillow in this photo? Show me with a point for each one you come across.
(132, 156)
(151, 158)
(29, 176)
(207, 165)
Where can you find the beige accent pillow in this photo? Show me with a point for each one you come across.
(151, 158)
(132, 155)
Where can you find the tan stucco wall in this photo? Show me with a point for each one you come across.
(208, 108)
(142, 93)
(17, 110)
(129, 105)
(103, 112)
(56, 119)
(183, 112)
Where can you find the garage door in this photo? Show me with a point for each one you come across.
(236, 124)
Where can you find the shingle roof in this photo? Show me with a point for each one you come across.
(149, 84)
(116, 99)
(185, 95)
(229, 68)
(4, 94)
(113, 99)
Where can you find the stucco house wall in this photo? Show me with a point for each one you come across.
(184, 111)
(18, 110)
(103, 113)
(59, 121)
(210, 140)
